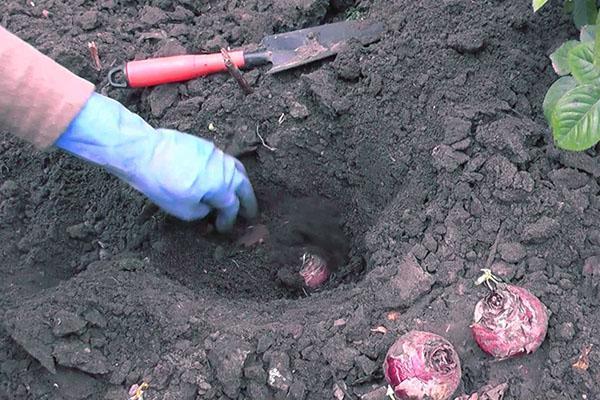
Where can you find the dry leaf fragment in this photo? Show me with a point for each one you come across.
(94, 55)
(583, 363)
(488, 392)
(257, 234)
(136, 392)
(380, 329)
(494, 393)
(338, 393)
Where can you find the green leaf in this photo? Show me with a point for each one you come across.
(584, 12)
(556, 91)
(581, 63)
(537, 4)
(559, 58)
(597, 47)
(588, 33)
(576, 118)
(568, 6)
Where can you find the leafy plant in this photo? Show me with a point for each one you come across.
(572, 103)
(584, 11)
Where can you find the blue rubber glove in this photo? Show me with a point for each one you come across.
(183, 174)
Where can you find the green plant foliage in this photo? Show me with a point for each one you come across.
(537, 4)
(597, 48)
(581, 63)
(556, 91)
(559, 58)
(584, 12)
(588, 33)
(572, 104)
(576, 118)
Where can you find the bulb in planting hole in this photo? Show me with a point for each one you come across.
(422, 365)
(314, 270)
(509, 321)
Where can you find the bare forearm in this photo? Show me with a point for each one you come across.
(38, 97)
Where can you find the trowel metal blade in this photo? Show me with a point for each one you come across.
(292, 49)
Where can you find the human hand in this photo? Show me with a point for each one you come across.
(184, 175)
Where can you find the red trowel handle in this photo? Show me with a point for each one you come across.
(158, 71)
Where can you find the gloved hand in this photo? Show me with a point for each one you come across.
(183, 174)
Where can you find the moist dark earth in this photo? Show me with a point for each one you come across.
(403, 161)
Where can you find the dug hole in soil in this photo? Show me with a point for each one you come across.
(400, 160)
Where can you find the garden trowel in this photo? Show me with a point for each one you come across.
(283, 51)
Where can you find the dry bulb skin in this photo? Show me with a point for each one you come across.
(509, 321)
(314, 270)
(422, 365)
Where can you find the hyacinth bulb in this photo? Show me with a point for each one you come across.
(422, 365)
(315, 271)
(509, 321)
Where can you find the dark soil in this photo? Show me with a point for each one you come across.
(426, 144)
